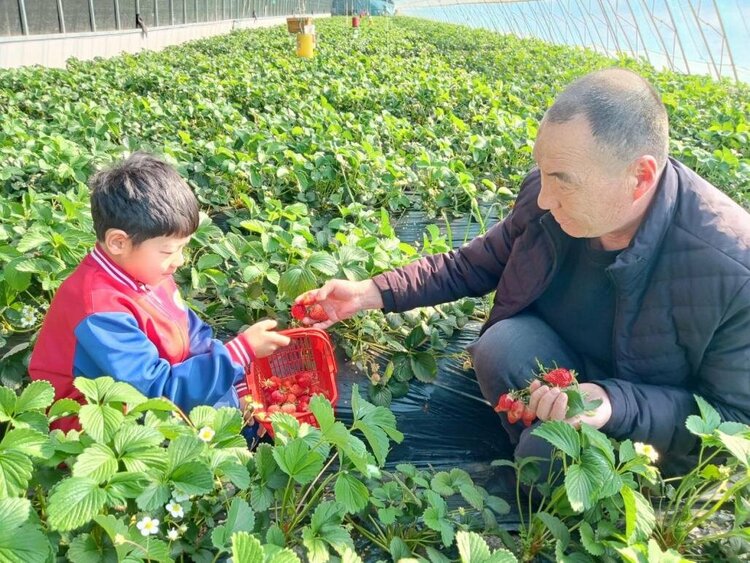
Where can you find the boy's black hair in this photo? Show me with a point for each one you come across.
(145, 197)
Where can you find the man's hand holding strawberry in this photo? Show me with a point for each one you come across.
(551, 403)
(556, 395)
(337, 300)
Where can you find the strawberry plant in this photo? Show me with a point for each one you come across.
(609, 500)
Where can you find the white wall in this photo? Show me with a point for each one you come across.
(53, 50)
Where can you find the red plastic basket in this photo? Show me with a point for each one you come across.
(309, 352)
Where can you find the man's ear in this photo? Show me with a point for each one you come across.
(116, 242)
(646, 174)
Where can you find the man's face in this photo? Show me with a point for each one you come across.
(154, 259)
(588, 193)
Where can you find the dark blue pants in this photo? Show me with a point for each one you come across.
(250, 433)
(505, 357)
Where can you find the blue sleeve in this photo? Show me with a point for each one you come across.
(201, 335)
(112, 344)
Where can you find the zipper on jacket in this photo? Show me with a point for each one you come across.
(614, 322)
(554, 250)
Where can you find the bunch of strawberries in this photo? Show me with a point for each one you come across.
(288, 394)
(309, 309)
(515, 403)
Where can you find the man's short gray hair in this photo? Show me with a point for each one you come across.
(624, 111)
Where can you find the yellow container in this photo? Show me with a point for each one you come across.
(305, 44)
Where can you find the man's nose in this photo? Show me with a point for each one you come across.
(545, 199)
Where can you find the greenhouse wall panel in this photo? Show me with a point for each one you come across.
(54, 50)
(10, 18)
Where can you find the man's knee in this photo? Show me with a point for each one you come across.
(505, 356)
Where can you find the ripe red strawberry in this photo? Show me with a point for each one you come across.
(528, 416)
(516, 412)
(277, 397)
(304, 379)
(504, 403)
(317, 313)
(559, 377)
(299, 311)
(296, 389)
(273, 408)
(289, 408)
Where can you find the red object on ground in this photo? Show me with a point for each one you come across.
(355, 21)
(307, 362)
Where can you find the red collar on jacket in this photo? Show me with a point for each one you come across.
(115, 271)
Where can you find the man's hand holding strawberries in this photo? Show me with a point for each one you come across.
(335, 301)
(556, 395)
(551, 403)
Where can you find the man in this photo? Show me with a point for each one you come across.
(615, 261)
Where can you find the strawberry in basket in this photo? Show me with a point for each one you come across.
(286, 380)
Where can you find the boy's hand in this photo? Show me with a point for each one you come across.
(341, 299)
(247, 407)
(264, 339)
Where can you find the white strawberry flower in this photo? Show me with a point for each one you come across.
(175, 509)
(148, 526)
(173, 534)
(646, 450)
(182, 528)
(28, 317)
(206, 433)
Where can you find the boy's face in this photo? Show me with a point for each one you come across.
(154, 259)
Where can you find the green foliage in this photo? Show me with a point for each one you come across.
(301, 165)
(154, 487)
(605, 500)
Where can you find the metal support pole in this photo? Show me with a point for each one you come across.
(659, 36)
(92, 17)
(548, 23)
(527, 24)
(677, 35)
(24, 21)
(156, 13)
(184, 11)
(726, 41)
(610, 28)
(638, 33)
(584, 13)
(576, 28)
(118, 23)
(618, 23)
(195, 9)
(60, 16)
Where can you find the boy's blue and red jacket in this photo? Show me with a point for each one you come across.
(104, 322)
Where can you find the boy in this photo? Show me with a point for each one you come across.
(120, 312)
